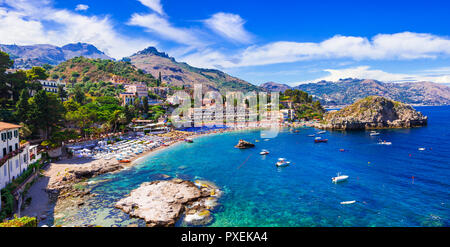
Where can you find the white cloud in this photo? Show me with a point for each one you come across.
(82, 7)
(399, 46)
(161, 26)
(154, 5)
(28, 22)
(365, 72)
(230, 26)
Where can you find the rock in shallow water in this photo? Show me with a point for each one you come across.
(161, 203)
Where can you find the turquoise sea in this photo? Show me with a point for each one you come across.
(259, 194)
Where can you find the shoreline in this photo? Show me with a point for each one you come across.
(59, 178)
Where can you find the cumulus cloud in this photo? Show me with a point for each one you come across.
(28, 22)
(230, 26)
(81, 7)
(400, 46)
(155, 5)
(365, 72)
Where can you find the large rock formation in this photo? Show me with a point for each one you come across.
(374, 112)
(244, 144)
(161, 203)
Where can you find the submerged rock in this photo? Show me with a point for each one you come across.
(374, 112)
(161, 203)
(244, 144)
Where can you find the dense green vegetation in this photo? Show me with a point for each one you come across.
(81, 69)
(20, 222)
(85, 108)
(304, 105)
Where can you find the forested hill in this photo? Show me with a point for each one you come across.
(81, 69)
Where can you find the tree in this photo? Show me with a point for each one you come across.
(79, 94)
(46, 112)
(36, 73)
(18, 83)
(23, 107)
(62, 94)
(145, 105)
(159, 81)
(5, 62)
(118, 117)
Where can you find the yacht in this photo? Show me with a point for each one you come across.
(264, 152)
(339, 178)
(282, 162)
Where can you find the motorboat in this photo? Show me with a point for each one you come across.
(348, 202)
(319, 140)
(188, 140)
(339, 178)
(282, 162)
(264, 152)
(321, 132)
(374, 133)
(312, 135)
(385, 143)
(421, 149)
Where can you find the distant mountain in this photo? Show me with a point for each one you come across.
(36, 55)
(180, 74)
(347, 91)
(275, 87)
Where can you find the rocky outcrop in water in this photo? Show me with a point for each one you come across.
(162, 203)
(244, 144)
(374, 112)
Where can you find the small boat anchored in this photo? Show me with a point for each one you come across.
(421, 149)
(385, 143)
(348, 202)
(264, 152)
(319, 140)
(189, 140)
(339, 178)
(321, 132)
(282, 162)
(374, 133)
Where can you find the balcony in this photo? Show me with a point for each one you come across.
(11, 155)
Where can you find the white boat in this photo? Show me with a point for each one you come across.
(385, 143)
(264, 152)
(347, 202)
(421, 149)
(282, 162)
(312, 135)
(321, 132)
(339, 178)
(374, 133)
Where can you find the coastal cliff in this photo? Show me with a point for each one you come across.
(374, 112)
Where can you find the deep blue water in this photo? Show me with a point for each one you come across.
(259, 194)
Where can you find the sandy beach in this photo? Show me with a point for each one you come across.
(42, 206)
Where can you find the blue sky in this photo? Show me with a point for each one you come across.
(283, 41)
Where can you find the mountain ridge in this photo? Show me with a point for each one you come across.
(347, 91)
(27, 56)
(174, 73)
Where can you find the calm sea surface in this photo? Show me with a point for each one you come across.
(395, 185)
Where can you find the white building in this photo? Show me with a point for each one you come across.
(51, 86)
(14, 158)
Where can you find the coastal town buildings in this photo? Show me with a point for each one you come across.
(133, 91)
(14, 157)
(163, 92)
